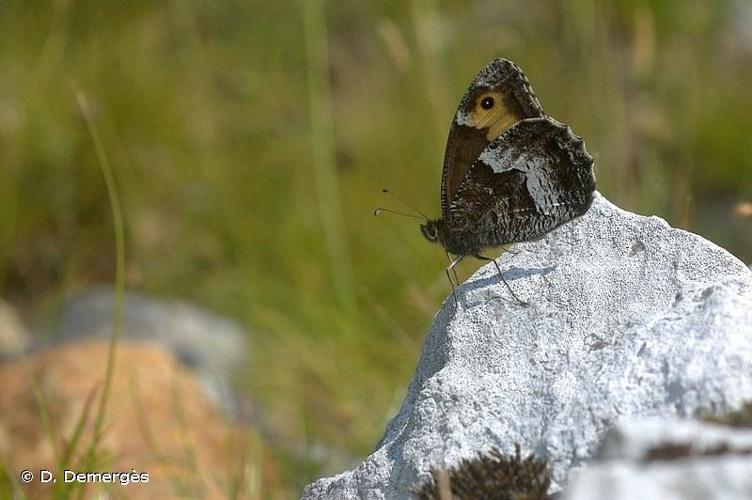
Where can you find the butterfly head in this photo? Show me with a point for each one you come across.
(430, 230)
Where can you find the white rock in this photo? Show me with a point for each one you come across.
(714, 478)
(622, 470)
(633, 440)
(627, 317)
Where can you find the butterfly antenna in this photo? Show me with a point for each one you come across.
(386, 191)
(378, 211)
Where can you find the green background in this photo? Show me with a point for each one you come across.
(250, 141)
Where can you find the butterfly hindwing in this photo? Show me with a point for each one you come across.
(533, 178)
(499, 96)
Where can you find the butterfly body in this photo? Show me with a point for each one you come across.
(511, 173)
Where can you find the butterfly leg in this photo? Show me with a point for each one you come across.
(509, 250)
(454, 271)
(451, 268)
(501, 275)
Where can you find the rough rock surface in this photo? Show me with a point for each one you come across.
(626, 317)
(656, 459)
(211, 346)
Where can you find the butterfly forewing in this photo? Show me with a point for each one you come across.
(533, 178)
(498, 98)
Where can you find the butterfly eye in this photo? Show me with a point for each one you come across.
(487, 103)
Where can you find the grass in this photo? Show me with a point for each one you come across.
(250, 142)
(322, 145)
(91, 453)
(117, 314)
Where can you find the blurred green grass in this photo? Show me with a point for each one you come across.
(233, 192)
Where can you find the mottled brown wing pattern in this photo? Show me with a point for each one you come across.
(533, 178)
(503, 86)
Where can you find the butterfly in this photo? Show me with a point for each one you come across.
(511, 173)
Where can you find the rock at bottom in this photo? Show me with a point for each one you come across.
(627, 317)
(665, 459)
